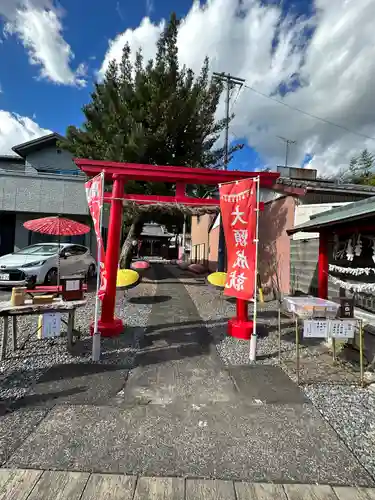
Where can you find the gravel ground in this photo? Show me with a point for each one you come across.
(349, 409)
(24, 367)
(215, 310)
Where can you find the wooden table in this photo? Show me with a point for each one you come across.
(30, 309)
(48, 289)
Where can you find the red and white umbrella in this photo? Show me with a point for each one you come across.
(58, 226)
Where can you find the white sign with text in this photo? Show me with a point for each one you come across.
(315, 329)
(325, 329)
(51, 326)
(342, 329)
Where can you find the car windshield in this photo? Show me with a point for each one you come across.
(46, 249)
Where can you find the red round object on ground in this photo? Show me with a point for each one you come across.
(140, 264)
(197, 268)
(240, 329)
(58, 226)
(113, 328)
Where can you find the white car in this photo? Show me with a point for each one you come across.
(38, 264)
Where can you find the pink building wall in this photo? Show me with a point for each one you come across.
(274, 243)
(206, 241)
(213, 248)
(200, 237)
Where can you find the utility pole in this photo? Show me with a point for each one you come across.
(287, 143)
(230, 82)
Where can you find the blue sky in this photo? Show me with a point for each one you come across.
(44, 104)
(87, 31)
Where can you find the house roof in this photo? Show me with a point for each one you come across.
(327, 186)
(155, 230)
(348, 213)
(11, 159)
(36, 144)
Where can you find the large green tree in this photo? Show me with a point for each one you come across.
(361, 169)
(153, 112)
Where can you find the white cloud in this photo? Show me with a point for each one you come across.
(37, 24)
(16, 129)
(337, 68)
(145, 37)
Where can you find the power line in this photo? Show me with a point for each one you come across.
(236, 98)
(328, 122)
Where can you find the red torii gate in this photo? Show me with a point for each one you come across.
(120, 173)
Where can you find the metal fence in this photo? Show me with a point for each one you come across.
(198, 254)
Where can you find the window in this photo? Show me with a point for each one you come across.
(76, 250)
(67, 250)
(42, 249)
(80, 250)
(59, 172)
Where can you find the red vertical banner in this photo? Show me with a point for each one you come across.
(95, 194)
(238, 211)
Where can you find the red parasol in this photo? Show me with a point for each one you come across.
(57, 226)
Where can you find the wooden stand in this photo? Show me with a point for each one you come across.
(72, 287)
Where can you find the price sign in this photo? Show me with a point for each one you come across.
(72, 285)
(51, 325)
(342, 329)
(315, 329)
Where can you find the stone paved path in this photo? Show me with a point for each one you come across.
(31, 484)
(180, 413)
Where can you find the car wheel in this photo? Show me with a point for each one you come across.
(91, 272)
(51, 277)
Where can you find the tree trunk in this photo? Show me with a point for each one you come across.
(126, 250)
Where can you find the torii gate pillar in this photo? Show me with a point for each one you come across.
(109, 325)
